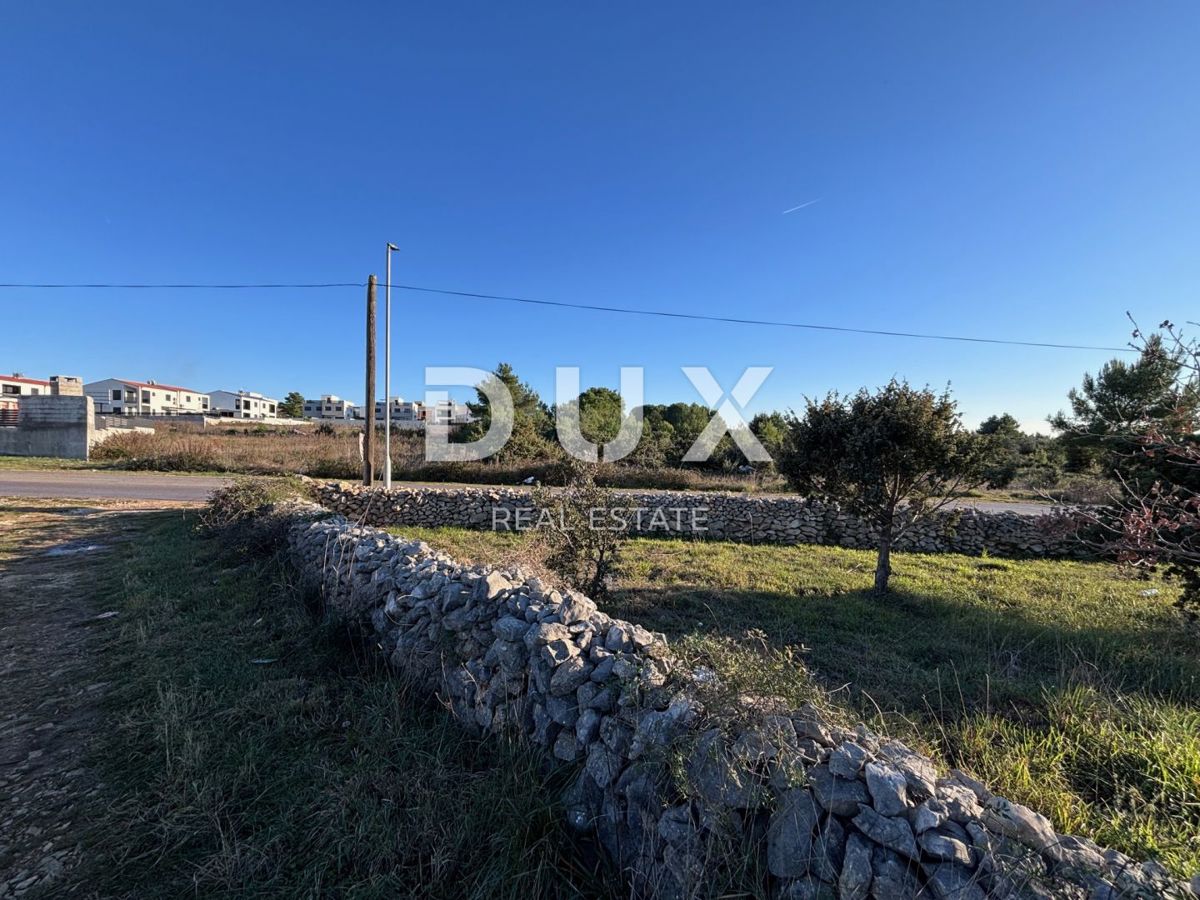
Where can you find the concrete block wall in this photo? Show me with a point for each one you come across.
(47, 425)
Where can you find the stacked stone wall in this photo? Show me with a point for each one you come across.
(746, 518)
(679, 783)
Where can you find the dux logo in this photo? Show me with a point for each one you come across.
(728, 420)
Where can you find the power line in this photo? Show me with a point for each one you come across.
(175, 287)
(624, 310)
(768, 322)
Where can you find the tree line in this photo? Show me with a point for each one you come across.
(900, 453)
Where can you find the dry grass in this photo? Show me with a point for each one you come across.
(334, 454)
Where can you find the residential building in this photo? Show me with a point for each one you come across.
(415, 414)
(404, 413)
(17, 385)
(242, 405)
(329, 406)
(121, 396)
(448, 412)
(12, 389)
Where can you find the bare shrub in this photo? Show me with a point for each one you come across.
(246, 515)
(577, 531)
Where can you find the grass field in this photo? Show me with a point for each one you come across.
(315, 774)
(1064, 685)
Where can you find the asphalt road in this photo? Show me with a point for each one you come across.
(88, 485)
(84, 484)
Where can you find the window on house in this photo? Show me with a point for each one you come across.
(146, 397)
(116, 394)
(34, 391)
(12, 389)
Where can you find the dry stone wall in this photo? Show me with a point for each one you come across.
(735, 517)
(679, 783)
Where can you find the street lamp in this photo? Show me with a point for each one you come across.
(387, 372)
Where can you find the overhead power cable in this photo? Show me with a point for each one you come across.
(624, 310)
(767, 322)
(185, 287)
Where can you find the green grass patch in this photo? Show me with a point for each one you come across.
(1060, 683)
(315, 774)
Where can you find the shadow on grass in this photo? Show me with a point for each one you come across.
(254, 750)
(913, 653)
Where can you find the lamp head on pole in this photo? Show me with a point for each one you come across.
(392, 247)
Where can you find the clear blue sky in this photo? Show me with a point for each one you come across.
(1018, 170)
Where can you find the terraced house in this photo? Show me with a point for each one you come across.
(243, 405)
(120, 396)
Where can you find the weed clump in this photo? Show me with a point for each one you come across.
(242, 512)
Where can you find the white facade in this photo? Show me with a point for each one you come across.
(403, 411)
(243, 405)
(329, 406)
(119, 396)
(13, 388)
(17, 385)
(449, 412)
(415, 414)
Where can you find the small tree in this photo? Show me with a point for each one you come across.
(578, 529)
(1157, 511)
(893, 457)
(292, 405)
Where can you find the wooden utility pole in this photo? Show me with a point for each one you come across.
(369, 427)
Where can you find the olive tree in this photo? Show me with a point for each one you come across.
(893, 457)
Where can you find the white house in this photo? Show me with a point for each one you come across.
(404, 413)
(242, 405)
(12, 389)
(415, 414)
(328, 407)
(122, 396)
(17, 385)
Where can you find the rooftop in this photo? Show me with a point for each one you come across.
(23, 380)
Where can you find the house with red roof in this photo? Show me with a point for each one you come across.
(15, 386)
(125, 397)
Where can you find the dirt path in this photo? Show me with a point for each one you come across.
(53, 624)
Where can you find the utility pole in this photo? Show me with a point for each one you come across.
(387, 372)
(369, 427)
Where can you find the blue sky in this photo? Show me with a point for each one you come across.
(1016, 170)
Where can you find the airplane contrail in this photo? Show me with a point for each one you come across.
(801, 206)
